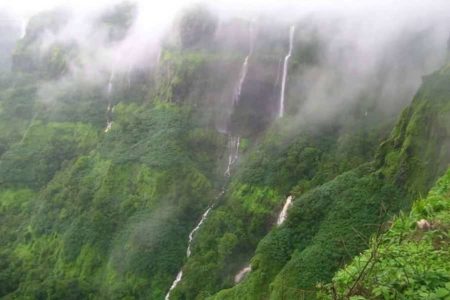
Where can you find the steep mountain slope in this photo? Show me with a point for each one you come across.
(104, 173)
(127, 197)
(332, 223)
(411, 260)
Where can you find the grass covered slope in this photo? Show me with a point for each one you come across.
(330, 224)
(410, 261)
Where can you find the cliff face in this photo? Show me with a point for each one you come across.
(417, 151)
(104, 178)
(331, 223)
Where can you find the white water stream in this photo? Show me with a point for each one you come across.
(281, 218)
(109, 108)
(285, 69)
(233, 153)
(188, 251)
(23, 28)
(244, 68)
(242, 273)
(233, 156)
(283, 214)
(191, 238)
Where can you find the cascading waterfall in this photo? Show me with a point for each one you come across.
(234, 141)
(285, 67)
(233, 153)
(23, 28)
(242, 273)
(281, 218)
(191, 234)
(244, 68)
(233, 156)
(191, 238)
(283, 214)
(174, 284)
(188, 251)
(109, 108)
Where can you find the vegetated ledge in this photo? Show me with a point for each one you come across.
(410, 261)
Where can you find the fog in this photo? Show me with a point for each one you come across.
(375, 49)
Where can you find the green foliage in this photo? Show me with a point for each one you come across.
(417, 151)
(110, 213)
(331, 223)
(318, 235)
(280, 164)
(93, 215)
(42, 151)
(30, 55)
(17, 101)
(409, 261)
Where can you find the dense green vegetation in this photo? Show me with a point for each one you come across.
(330, 224)
(131, 200)
(89, 214)
(409, 261)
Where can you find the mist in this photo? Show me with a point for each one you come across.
(343, 51)
(170, 150)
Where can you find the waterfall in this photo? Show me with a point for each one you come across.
(233, 153)
(188, 251)
(191, 238)
(281, 218)
(23, 28)
(234, 141)
(244, 68)
(233, 156)
(109, 108)
(191, 235)
(283, 214)
(285, 67)
(242, 273)
(174, 284)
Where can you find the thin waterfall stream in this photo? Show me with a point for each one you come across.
(23, 28)
(233, 156)
(280, 220)
(285, 71)
(109, 109)
(284, 212)
(242, 273)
